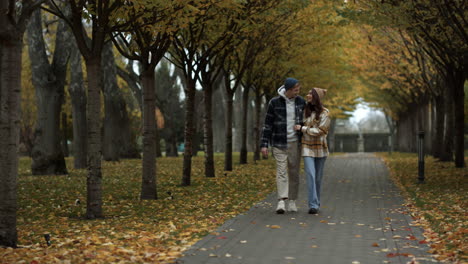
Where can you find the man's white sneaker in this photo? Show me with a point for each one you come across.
(292, 206)
(280, 209)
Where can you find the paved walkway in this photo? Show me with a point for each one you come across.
(362, 220)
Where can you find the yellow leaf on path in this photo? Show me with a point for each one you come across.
(357, 236)
(275, 227)
(375, 244)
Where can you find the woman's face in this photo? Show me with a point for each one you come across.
(309, 97)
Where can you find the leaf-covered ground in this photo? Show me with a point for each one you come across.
(439, 205)
(133, 231)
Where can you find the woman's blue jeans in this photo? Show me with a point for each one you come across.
(314, 174)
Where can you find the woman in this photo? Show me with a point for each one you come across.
(314, 144)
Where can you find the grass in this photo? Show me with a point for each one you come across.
(133, 231)
(439, 205)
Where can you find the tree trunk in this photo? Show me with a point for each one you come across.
(257, 128)
(458, 81)
(148, 182)
(208, 131)
(229, 118)
(391, 126)
(10, 87)
(117, 140)
(94, 178)
(245, 110)
(189, 131)
(447, 142)
(49, 82)
(157, 144)
(171, 146)
(65, 149)
(78, 101)
(439, 127)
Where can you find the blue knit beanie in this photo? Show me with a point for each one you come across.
(290, 83)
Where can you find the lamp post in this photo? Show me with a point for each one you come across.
(421, 157)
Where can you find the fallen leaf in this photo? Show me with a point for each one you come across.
(275, 227)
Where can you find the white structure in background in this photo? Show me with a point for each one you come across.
(366, 130)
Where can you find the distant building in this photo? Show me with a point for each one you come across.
(370, 134)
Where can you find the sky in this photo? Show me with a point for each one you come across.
(361, 112)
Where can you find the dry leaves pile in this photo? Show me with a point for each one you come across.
(439, 205)
(133, 231)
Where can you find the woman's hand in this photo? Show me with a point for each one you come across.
(297, 127)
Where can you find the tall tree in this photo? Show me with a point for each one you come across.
(13, 22)
(103, 18)
(49, 81)
(77, 91)
(169, 103)
(117, 137)
(146, 41)
(186, 56)
(440, 28)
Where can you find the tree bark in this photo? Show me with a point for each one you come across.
(12, 26)
(10, 85)
(148, 183)
(458, 81)
(208, 131)
(447, 142)
(49, 81)
(229, 118)
(117, 137)
(157, 144)
(459, 107)
(65, 149)
(439, 127)
(94, 178)
(171, 146)
(257, 128)
(77, 93)
(245, 110)
(189, 130)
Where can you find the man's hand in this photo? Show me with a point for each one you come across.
(265, 152)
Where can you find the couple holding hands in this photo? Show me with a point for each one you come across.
(295, 127)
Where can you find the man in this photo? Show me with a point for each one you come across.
(285, 111)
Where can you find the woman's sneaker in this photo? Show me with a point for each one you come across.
(292, 206)
(280, 209)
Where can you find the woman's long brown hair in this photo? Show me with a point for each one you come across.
(315, 106)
